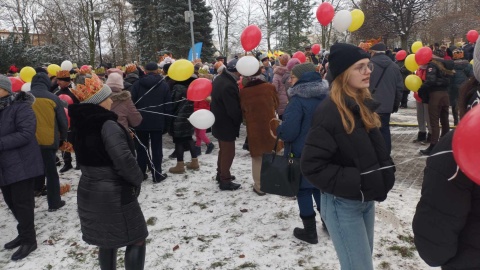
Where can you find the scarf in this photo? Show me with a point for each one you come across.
(5, 102)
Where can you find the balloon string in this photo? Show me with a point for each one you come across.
(152, 167)
(154, 106)
(163, 78)
(162, 114)
(408, 160)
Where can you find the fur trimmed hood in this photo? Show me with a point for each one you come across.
(312, 89)
(24, 97)
(121, 96)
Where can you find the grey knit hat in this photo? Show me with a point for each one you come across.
(5, 83)
(100, 96)
(300, 69)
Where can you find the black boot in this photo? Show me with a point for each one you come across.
(421, 137)
(14, 243)
(427, 151)
(135, 257)
(66, 167)
(107, 258)
(309, 232)
(23, 251)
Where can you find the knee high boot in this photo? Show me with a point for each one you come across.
(107, 258)
(135, 257)
(309, 232)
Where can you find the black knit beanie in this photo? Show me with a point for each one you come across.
(342, 56)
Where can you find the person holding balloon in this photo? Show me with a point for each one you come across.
(463, 71)
(64, 93)
(446, 224)
(342, 151)
(437, 81)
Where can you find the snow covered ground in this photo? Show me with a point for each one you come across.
(194, 225)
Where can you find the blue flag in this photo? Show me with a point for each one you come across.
(198, 51)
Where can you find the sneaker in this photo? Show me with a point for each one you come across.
(60, 205)
(159, 178)
(210, 148)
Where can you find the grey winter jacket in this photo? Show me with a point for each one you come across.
(390, 86)
(20, 156)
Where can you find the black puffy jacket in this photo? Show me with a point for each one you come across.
(446, 224)
(333, 160)
(183, 108)
(110, 215)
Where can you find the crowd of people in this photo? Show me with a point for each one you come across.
(333, 113)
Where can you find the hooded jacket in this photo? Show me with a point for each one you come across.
(333, 160)
(156, 102)
(305, 96)
(110, 216)
(390, 86)
(128, 115)
(20, 156)
(52, 122)
(278, 75)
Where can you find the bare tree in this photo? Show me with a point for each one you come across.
(266, 7)
(224, 11)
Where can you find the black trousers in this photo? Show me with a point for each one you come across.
(20, 200)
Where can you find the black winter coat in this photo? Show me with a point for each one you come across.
(446, 224)
(439, 74)
(20, 156)
(110, 215)
(225, 106)
(155, 119)
(333, 160)
(66, 91)
(181, 127)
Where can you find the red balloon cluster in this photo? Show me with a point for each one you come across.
(472, 36)
(316, 48)
(199, 89)
(66, 98)
(325, 13)
(300, 56)
(423, 55)
(16, 84)
(401, 55)
(251, 37)
(465, 146)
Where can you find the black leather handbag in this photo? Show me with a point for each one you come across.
(280, 175)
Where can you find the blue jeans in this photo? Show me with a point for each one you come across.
(350, 225)
(385, 130)
(305, 201)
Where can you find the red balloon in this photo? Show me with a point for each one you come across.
(423, 55)
(300, 56)
(66, 98)
(472, 36)
(68, 117)
(316, 48)
(199, 89)
(401, 55)
(251, 37)
(465, 146)
(16, 84)
(325, 13)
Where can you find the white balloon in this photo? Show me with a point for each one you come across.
(202, 119)
(342, 20)
(248, 65)
(66, 65)
(26, 87)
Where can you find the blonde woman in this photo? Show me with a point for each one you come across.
(343, 150)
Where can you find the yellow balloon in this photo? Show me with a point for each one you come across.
(471, 62)
(413, 83)
(181, 70)
(52, 69)
(357, 20)
(416, 46)
(27, 73)
(410, 63)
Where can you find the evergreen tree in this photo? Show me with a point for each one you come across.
(12, 52)
(292, 18)
(145, 23)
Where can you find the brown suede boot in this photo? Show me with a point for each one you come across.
(178, 169)
(193, 165)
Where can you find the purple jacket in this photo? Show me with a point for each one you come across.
(20, 156)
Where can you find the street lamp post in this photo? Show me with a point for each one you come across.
(97, 17)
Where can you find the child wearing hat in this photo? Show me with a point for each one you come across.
(343, 150)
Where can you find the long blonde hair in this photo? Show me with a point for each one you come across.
(340, 90)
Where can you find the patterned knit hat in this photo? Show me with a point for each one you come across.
(92, 91)
(292, 62)
(5, 84)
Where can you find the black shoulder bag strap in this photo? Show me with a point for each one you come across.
(379, 79)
